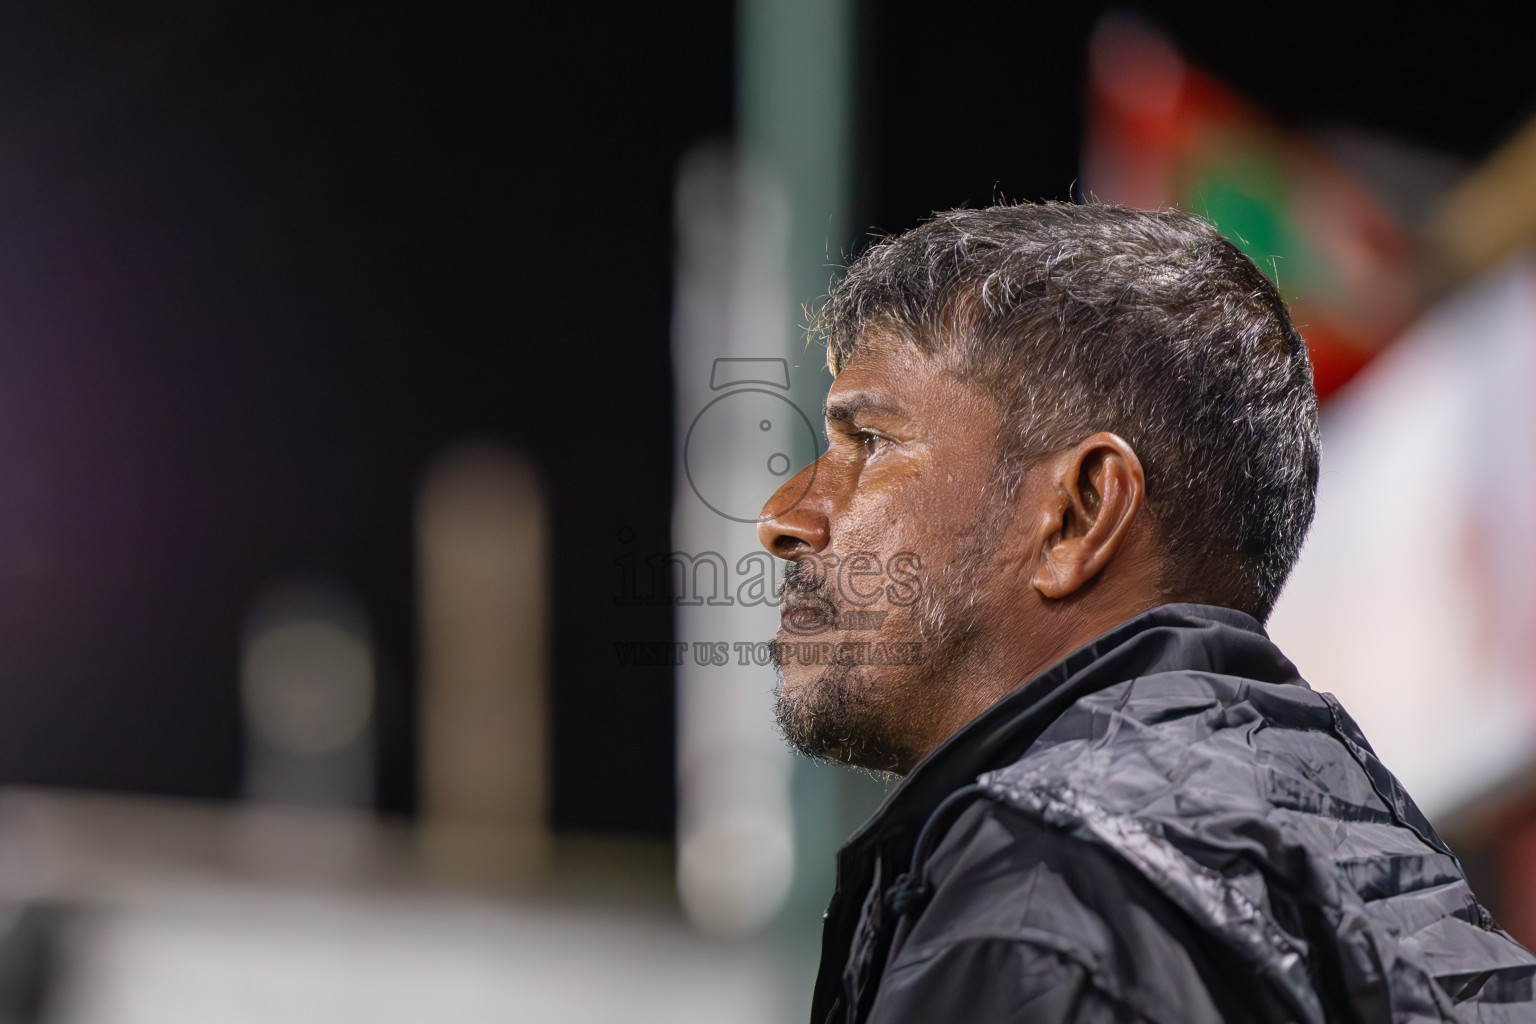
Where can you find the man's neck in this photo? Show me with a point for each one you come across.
(1001, 661)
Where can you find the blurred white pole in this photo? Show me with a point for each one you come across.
(758, 233)
(735, 823)
(794, 114)
(483, 606)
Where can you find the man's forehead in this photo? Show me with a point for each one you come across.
(866, 387)
(881, 350)
(879, 365)
(888, 375)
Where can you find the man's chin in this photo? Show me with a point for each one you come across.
(829, 712)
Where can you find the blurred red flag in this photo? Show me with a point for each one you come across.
(1161, 133)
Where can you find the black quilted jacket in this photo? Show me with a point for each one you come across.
(1167, 826)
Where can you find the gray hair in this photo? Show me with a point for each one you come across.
(1147, 324)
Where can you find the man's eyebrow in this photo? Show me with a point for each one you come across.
(845, 408)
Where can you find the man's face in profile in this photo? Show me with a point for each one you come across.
(893, 521)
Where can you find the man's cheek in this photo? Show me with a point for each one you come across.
(904, 572)
(860, 581)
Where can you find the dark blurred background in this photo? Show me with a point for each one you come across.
(977, 100)
(258, 263)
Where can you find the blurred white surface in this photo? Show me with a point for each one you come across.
(255, 958)
(1415, 597)
(179, 911)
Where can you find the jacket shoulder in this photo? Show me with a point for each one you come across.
(1187, 745)
(1259, 810)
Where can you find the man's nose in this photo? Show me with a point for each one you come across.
(793, 523)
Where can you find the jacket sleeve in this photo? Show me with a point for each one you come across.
(1026, 923)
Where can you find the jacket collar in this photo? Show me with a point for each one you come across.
(1169, 637)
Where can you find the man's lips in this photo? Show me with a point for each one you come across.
(806, 616)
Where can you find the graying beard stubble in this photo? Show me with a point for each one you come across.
(841, 716)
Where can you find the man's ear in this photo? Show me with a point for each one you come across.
(1090, 497)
